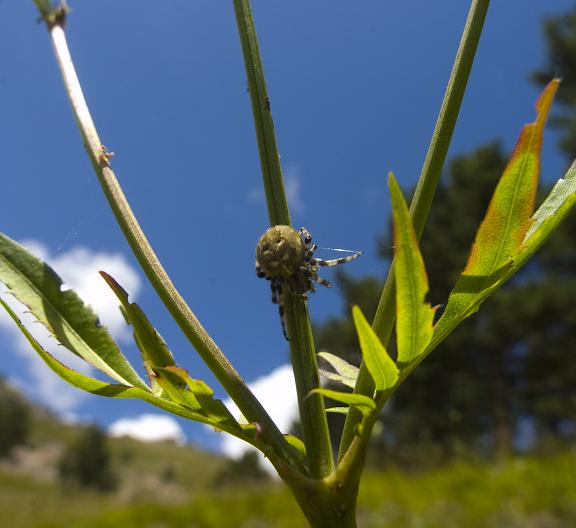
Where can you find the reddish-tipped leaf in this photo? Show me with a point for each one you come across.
(500, 237)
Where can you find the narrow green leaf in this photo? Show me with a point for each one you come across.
(509, 212)
(379, 364)
(332, 376)
(112, 390)
(174, 388)
(345, 373)
(507, 221)
(338, 410)
(64, 314)
(341, 366)
(197, 391)
(152, 344)
(155, 352)
(297, 443)
(414, 316)
(363, 403)
(563, 192)
(547, 218)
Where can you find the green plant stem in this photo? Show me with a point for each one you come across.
(425, 189)
(311, 406)
(303, 354)
(176, 305)
(328, 502)
(278, 211)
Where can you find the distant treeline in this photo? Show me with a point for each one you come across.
(506, 379)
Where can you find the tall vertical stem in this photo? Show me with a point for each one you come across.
(426, 187)
(302, 352)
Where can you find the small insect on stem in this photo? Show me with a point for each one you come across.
(105, 156)
(285, 257)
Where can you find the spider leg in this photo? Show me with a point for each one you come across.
(283, 320)
(335, 262)
(322, 281)
(307, 240)
(310, 252)
(259, 273)
(313, 276)
(276, 286)
(306, 236)
(309, 276)
(274, 291)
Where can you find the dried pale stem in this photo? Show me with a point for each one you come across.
(176, 305)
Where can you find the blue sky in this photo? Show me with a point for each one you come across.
(355, 89)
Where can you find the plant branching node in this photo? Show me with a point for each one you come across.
(53, 15)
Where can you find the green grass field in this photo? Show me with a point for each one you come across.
(163, 485)
(522, 493)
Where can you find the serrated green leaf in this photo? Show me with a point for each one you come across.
(499, 239)
(152, 344)
(414, 316)
(383, 370)
(547, 218)
(175, 382)
(345, 373)
(63, 313)
(174, 389)
(113, 390)
(155, 352)
(198, 393)
(555, 207)
(363, 403)
(509, 213)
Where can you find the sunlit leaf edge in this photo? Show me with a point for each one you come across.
(364, 404)
(380, 365)
(62, 312)
(414, 316)
(113, 390)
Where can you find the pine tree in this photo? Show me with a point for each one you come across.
(507, 366)
(86, 462)
(560, 37)
(14, 419)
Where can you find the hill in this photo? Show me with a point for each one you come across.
(30, 488)
(164, 485)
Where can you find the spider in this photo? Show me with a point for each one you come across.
(285, 257)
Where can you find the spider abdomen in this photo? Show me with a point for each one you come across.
(280, 252)
(285, 257)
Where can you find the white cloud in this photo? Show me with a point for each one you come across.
(277, 393)
(292, 179)
(148, 428)
(78, 268)
(255, 196)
